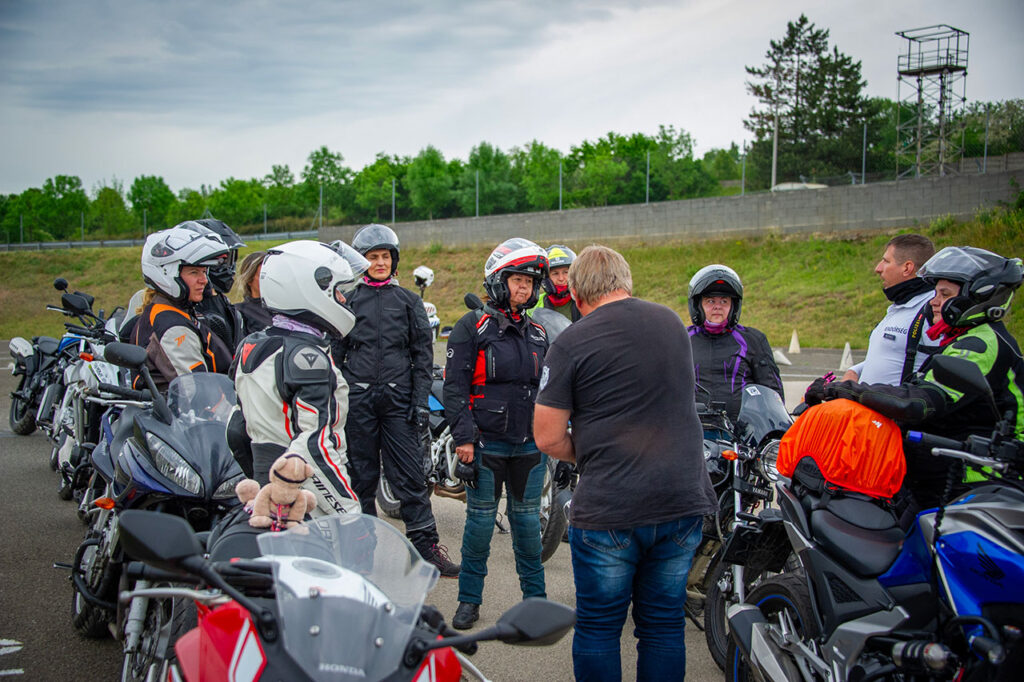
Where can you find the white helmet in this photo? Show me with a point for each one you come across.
(166, 251)
(514, 256)
(299, 279)
(423, 276)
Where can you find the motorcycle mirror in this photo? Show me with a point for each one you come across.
(60, 284)
(75, 303)
(159, 539)
(473, 301)
(535, 622)
(963, 376)
(125, 355)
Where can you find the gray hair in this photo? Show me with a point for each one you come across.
(597, 272)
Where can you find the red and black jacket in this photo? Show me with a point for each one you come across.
(491, 376)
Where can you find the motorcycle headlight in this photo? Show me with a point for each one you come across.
(20, 348)
(227, 489)
(768, 461)
(172, 465)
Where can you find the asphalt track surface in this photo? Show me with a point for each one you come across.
(38, 642)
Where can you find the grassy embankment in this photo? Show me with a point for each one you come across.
(821, 286)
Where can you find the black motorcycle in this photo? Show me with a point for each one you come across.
(171, 456)
(740, 458)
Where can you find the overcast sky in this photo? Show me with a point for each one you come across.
(198, 92)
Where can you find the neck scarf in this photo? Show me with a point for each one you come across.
(907, 289)
(293, 325)
(948, 334)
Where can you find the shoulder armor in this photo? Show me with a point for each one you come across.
(305, 362)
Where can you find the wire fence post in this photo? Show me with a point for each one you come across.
(864, 155)
(647, 193)
(559, 184)
(984, 158)
(21, 225)
(320, 208)
(81, 215)
(743, 172)
(144, 230)
(392, 201)
(478, 194)
(264, 220)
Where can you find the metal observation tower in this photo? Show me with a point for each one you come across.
(931, 97)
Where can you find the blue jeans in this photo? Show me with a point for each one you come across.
(523, 518)
(647, 565)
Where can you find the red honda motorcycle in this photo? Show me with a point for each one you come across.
(338, 598)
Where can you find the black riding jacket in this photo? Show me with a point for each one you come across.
(220, 316)
(491, 376)
(725, 363)
(391, 342)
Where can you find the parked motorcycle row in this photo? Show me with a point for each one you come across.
(792, 580)
(168, 564)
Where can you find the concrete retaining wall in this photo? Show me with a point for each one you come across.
(854, 208)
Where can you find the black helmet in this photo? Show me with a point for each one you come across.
(376, 236)
(222, 275)
(514, 256)
(714, 280)
(987, 282)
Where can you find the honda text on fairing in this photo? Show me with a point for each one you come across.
(338, 598)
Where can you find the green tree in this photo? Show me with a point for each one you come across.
(108, 214)
(281, 196)
(191, 204)
(723, 164)
(324, 169)
(597, 179)
(535, 172)
(491, 169)
(24, 216)
(238, 202)
(64, 206)
(150, 194)
(429, 182)
(373, 188)
(814, 94)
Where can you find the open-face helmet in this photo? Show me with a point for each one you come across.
(715, 280)
(423, 276)
(166, 251)
(222, 275)
(559, 256)
(987, 282)
(375, 236)
(514, 256)
(301, 279)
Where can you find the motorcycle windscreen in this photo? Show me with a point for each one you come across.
(349, 591)
(762, 414)
(201, 406)
(201, 397)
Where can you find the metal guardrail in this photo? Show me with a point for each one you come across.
(111, 243)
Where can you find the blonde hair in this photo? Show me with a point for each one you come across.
(248, 269)
(147, 298)
(599, 271)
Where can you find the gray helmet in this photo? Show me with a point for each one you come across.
(987, 282)
(709, 281)
(377, 236)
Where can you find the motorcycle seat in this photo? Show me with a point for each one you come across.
(47, 345)
(858, 534)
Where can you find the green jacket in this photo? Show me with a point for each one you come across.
(569, 309)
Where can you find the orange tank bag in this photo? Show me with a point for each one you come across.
(855, 447)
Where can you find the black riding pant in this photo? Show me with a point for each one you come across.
(378, 432)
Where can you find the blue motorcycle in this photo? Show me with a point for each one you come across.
(870, 602)
(163, 454)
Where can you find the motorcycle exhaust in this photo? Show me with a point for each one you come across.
(923, 655)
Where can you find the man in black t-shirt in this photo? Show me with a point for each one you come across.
(624, 375)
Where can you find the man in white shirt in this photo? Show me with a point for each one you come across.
(899, 345)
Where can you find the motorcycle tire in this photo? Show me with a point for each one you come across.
(88, 619)
(784, 592)
(64, 487)
(552, 518)
(386, 499)
(22, 418)
(166, 621)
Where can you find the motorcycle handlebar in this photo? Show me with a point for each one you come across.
(127, 393)
(136, 570)
(929, 441)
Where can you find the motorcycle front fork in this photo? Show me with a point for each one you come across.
(136, 620)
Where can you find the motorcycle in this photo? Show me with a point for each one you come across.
(338, 598)
(741, 465)
(424, 277)
(40, 364)
(440, 463)
(874, 603)
(170, 455)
